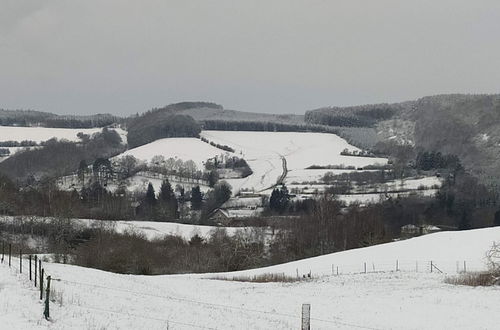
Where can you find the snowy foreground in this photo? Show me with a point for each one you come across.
(92, 299)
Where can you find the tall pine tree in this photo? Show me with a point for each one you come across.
(279, 199)
(196, 198)
(168, 208)
(147, 207)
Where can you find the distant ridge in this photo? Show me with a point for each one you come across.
(467, 125)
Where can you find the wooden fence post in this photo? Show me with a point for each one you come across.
(365, 267)
(3, 250)
(10, 253)
(41, 283)
(20, 261)
(30, 266)
(432, 266)
(47, 299)
(465, 267)
(306, 317)
(397, 265)
(416, 266)
(36, 267)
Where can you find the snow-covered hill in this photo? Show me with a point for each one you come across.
(93, 299)
(40, 134)
(150, 229)
(269, 154)
(444, 249)
(154, 230)
(178, 148)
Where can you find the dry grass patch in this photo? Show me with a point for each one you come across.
(475, 279)
(263, 278)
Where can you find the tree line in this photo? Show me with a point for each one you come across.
(263, 126)
(28, 118)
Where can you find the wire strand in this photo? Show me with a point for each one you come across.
(220, 305)
(142, 316)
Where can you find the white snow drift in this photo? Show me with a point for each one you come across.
(88, 298)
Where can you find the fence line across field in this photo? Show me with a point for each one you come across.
(25, 266)
(45, 289)
(337, 320)
(17, 266)
(398, 265)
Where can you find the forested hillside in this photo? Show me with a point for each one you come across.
(46, 119)
(61, 157)
(464, 125)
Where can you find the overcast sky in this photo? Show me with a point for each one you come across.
(282, 56)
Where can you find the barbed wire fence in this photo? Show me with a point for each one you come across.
(32, 266)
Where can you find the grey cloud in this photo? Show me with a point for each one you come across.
(268, 56)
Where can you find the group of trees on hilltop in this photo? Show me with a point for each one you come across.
(175, 107)
(27, 118)
(23, 143)
(361, 116)
(264, 126)
(80, 122)
(148, 128)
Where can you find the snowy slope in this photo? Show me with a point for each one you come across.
(151, 229)
(371, 198)
(93, 299)
(179, 148)
(154, 229)
(443, 248)
(39, 134)
(265, 152)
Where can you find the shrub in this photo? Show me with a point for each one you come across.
(475, 279)
(263, 278)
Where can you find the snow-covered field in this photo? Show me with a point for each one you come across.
(268, 152)
(308, 175)
(39, 134)
(379, 197)
(178, 148)
(413, 184)
(151, 229)
(443, 248)
(93, 299)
